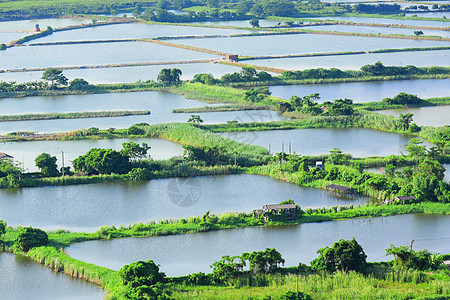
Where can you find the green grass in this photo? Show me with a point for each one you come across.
(340, 285)
(73, 115)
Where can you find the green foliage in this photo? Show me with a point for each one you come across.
(141, 273)
(204, 78)
(254, 22)
(169, 76)
(419, 260)
(415, 148)
(102, 161)
(79, 84)
(2, 47)
(55, 76)
(227, 268)
(47, 164)
(403, 99)
(10, 175)
(134, 150)
(266, 261)
(195, 119)
(29, 237)
(295, 296)
(2, 227)
(344, 255)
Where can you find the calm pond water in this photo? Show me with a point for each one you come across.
(376, 30)
(135, 30)
(424, 116)
(87, 207)
(126, 74)
(303, 43)
(26, 152)
(366, 91)
(23, 278)
(434, 14)
(358, 142)
(160, 105)
(389, 21)
(189, 253)
(355, 62)
(43, 23)
(93, 54)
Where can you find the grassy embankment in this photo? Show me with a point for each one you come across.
(73, 115)
(53, 256)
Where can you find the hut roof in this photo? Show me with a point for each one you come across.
(4, 155)
(278, 206)
(338, 187)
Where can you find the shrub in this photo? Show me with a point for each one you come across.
(30, 237)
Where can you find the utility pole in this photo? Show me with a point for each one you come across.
(411, 244)
(289, 147)
(269, 148)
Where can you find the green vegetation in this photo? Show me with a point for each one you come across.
(47, 164)
(72, 115)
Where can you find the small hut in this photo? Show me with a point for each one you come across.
(37, 28)
(280, 209)
(5, 156)
(340, 188)
(232, 57)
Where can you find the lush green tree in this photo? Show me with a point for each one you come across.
(403, 99)
(227, 268)
(265, 261)
(389, 169)
(344, 255)
(102, 161)
(254, 22)
(204, 78)
(263, 76)
(248, 73)
(195, 119)
(418, 32)
(55, 76)
(134, 150)
(340, 107)
(415, 148)
(47, 164)
(376, 69)
(141, 273)
(336, 156)
(211, 155)
(431, 168)
(78, 84)
(419, 260)
(405, 120)
(295, 296)
(30, 237)
(2, 227)
(10, 174)
(135, 130)
(2, 47)
(169, 76)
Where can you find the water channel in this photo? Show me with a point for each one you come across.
(192, 253)
(87, 207)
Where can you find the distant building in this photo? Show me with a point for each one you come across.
(319, 164)
(36, 28)
(6, 156)
(232, 57)
(280, 209)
